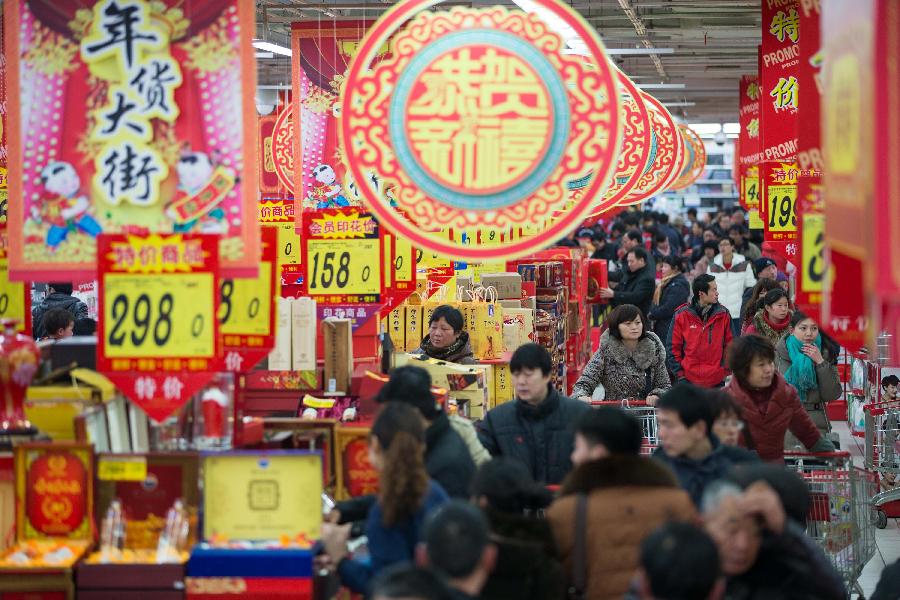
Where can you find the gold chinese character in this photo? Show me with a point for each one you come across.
(785, 93)
(786, 26)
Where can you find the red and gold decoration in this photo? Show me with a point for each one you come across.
(158, 337)
(132, 117)
(276, 149)
(439, 122)
(748, 154)
(355, 474)
(19, 360)
(15, 296)
(694, 163)
(667, 154)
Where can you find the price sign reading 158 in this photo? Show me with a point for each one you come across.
(343, 267)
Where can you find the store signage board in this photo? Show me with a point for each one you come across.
(461, 157)
(158, 335)
(131, 117)
(342, 257)
(246, 310)
(278, 214)
(15, 296)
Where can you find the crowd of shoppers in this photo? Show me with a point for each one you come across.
(555, 498)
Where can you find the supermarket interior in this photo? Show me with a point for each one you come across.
(424, 300)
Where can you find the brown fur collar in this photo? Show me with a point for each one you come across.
(644, 355)
(618, 471)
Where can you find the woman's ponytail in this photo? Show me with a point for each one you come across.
(404, 481)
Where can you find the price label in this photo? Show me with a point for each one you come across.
(245, 305)
(158, 317)
(12, 297)
(782, 208)
(343, 267)
(289, 245)
(751, 192)
(813, 253)
(122, 468)
(404, 265)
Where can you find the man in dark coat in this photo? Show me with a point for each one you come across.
(684, 417)
(536, 428)
(59, 295)
(639, 283)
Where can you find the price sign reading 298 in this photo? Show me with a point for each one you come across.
(342, 251)
(158, 294)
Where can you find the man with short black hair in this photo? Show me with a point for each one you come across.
(700, 333)
(680, 560)
(639, 283)
(626, 495)
(684, 417)
(738, 235)
(535, 428)
(457, 545)
(408, 582)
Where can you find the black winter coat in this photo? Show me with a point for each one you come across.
(72, 304)
(676, 293)
(528, 565)
(694, 475)
(541, 437)
(637, 289)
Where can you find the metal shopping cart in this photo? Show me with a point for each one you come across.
(841, 517)
(883, 457)
(644, 413)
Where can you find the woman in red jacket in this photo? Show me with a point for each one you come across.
(770, 405)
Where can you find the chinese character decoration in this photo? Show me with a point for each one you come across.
(784, 94)
(133, 120)
(478, 119)
(667, 154)
(786, 26)
(696, 160)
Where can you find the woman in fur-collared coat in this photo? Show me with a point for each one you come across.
(631, 361)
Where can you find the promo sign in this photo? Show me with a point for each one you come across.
(480, 120)
(342, 252)
(278, 214)
(131, 117)
(246, 310)
(780, 207)
(158, 335)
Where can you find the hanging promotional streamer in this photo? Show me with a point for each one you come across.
(695, 162)
(748, 154)
(4, 184)
(340, 257)
(246, 315)
(668, 154)
(117, 129)
(157, 337)
(461, 156)
(276, 149)
(278, 214)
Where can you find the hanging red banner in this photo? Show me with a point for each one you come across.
(246, 310)
(276, 149)
(747, 154)
(158, 335)
(154, 131)
(278, 213)
(4, 186)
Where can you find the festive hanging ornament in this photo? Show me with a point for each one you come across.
(19, 359)
(481, 120)
(696, 159)
(667, 154)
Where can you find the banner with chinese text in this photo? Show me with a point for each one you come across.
(158, 335)
(131, 116)
(748, 154)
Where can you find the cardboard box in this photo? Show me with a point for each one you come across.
(280, 356)
(303, 334)
(338, 339)
(466, 282)
(508, 285)
(510, 303)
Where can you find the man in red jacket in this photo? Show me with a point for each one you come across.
(701, 330)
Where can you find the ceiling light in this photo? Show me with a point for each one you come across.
(679, 104)
(270, 47)
(638, 51)
(264, 55)
(661, 86)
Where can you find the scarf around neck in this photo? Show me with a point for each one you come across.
(770, 329)
(451, 351)
(657, 294)
(802, 372)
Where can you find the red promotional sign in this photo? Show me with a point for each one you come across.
(247, 310)
(747, 154)
(158, 335)
(276, 149)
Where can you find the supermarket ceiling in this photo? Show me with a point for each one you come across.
(705, 45)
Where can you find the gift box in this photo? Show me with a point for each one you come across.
(261, 511)
(508, 285)
(54, 506)
(354, 474)
(280, 356)
(338, 342)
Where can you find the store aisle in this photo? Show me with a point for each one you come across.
(888, 539)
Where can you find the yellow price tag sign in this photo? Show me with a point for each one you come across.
(12, 297)
(813, 253)
(782, 208)
(245, 306)
(403, 256)
(160, 316)
(751, 191)
(343, 267)
(289, 245)
(122, 468)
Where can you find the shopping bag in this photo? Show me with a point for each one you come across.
(518, 327)
(487, 330)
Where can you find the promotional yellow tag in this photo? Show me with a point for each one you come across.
(782, 208)
(289, 245)
(245, 305)
(12, 297)
(403, 270)
(122, 468)
(343, 267)
(162, 316)
(813, 249)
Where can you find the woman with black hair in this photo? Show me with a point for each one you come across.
(406, 496)
(528, 567)
(631, 361)
(772, 319)
(446, 339)
(807, 358)
(671, 292)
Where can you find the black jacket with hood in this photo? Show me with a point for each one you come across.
(70, 303)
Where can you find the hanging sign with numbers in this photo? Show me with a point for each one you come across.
(399, 270)
(278, 214)
(15, 299)
(342, 250)
(158, 338)
(779, 201)
(246, 315)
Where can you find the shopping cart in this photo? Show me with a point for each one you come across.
(841, 517)
(644, 413)
(883, 456)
